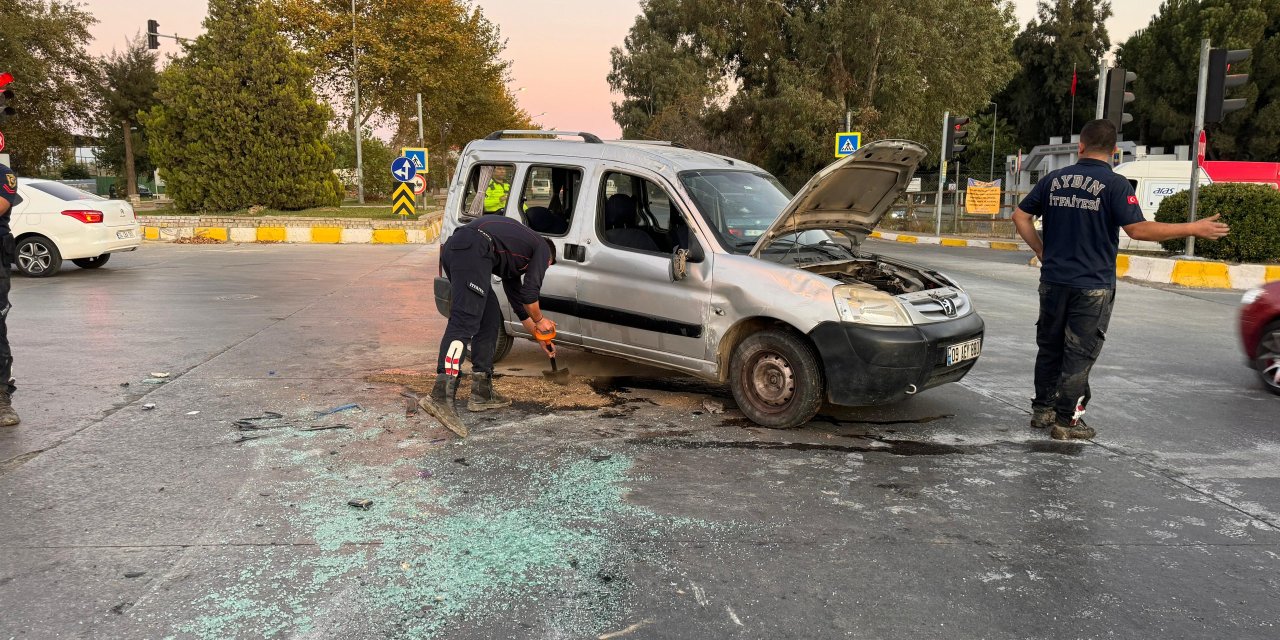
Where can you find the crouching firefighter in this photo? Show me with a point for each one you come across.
(489, 246)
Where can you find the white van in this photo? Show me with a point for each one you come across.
(1153, 181)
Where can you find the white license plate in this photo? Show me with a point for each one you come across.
(958, 353)
(121, 235)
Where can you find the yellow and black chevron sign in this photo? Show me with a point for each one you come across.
(402, 200)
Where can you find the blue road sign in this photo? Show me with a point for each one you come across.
(847, 142)
(402, 169)
(418, 156)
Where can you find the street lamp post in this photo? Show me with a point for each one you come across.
(355, 118)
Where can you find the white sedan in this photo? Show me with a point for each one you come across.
(56, 222)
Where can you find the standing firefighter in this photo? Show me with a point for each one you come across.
(1083, 207)
(8, 199)
(489, 246)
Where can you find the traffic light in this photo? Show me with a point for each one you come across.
(1118, 96)
(1216, 104)
(153, 34)
(955, 133)
(6, 94)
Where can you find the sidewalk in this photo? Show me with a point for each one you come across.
(291, 229)
(1199, 274)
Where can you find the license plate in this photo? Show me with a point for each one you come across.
(958, 353)
(121, 235)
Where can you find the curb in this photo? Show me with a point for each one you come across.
(292, 230)
(1199, 274)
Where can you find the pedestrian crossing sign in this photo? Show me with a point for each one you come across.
(847, 142)
(418, 157)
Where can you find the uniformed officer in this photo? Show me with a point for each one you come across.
(9, 198)
(488, 246)
(499, 189)
(1082, 208)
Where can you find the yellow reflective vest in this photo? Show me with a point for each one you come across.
(495, 196)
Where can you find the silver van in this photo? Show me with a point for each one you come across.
(706, 265)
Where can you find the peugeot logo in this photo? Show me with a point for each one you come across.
(948, 307)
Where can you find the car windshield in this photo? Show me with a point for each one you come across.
(63, 192)
(740, 205)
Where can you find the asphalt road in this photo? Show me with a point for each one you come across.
(634, 509)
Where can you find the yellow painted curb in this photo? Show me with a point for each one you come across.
(1004, 246)
(390, 236)
(151, 233)
(876, 234)
(326, 235)
(271, 234)
(1122, 266)
(908, 239)
(213, 233)
(1212, 275)
(954, 242)
(1273, 275)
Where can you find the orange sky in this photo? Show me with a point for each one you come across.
(559, 48)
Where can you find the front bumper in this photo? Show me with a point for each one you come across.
(868, 365)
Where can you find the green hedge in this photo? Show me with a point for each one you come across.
(1252, 211)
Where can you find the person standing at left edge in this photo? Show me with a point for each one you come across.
(491, 245)
(8, 199)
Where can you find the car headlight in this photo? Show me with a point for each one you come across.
(867, 306)
(1251, 296)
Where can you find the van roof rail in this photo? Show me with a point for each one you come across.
(590, 138)
(664, 143)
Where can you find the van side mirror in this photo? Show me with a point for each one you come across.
(679, 264)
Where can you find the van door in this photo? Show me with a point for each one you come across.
(626, 300)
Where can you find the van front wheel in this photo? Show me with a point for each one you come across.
(776, 379)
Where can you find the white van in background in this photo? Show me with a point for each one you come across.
(1153, 181)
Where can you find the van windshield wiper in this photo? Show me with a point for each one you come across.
(823, 247)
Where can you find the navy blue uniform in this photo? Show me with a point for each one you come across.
(492, 245)
(9, 192)
(1082, 208)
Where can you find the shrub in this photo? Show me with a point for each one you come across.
(1252, 211)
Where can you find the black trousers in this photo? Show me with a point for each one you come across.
(475, 317)
(6, 356)
(1070, 333)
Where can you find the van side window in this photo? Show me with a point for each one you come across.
(488, 188)
(637, 214)
(548, 198)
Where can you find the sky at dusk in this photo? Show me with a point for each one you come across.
(562, 75)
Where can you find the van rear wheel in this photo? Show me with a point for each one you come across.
(776, 379)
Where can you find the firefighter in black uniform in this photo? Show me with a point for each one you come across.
(8, 199)
(1083, 208)
(491, 245)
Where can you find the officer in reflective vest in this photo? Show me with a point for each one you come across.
(495, 195)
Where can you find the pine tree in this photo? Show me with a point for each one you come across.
(238, 124)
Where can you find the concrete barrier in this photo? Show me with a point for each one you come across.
(292, 230)
(1200, 274)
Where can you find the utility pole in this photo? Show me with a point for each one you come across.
(995, 120)
(1102, 88)
(848, 119)
(355, 118)
(422, 143)
(1199, 131)
(942, 173)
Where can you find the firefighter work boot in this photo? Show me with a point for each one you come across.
(483, 397)
(8, 417)
(440, 404)
(1076, 430)
(1043, 417)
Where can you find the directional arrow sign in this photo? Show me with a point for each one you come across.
(402, 169)
(847, 142)
(402, 200)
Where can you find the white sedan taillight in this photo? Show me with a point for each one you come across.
(84, 215)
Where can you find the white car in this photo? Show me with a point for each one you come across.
(56, 222)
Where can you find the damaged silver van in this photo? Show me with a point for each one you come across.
(706, 265)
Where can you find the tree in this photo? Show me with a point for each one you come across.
(976, 161)
(1063, 42)
(443, 49)
(128, 90)
(237, 124)
(1166, 57)
(773, 79)
(377, 156)
(42, 45)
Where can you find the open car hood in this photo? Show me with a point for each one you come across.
(849, 196)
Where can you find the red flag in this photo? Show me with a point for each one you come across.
(1073, 81)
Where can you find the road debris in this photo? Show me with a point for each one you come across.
(134, 574)
(713, 407)
(159, 374)
(345, 407)
(148, 406)
(154, 381)
(325, 427)
(600, 458)
(462, 461)
(623, 632)
(424, 473)
(244, 438)
(360, 503)
(192, 413)
(124, 385)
